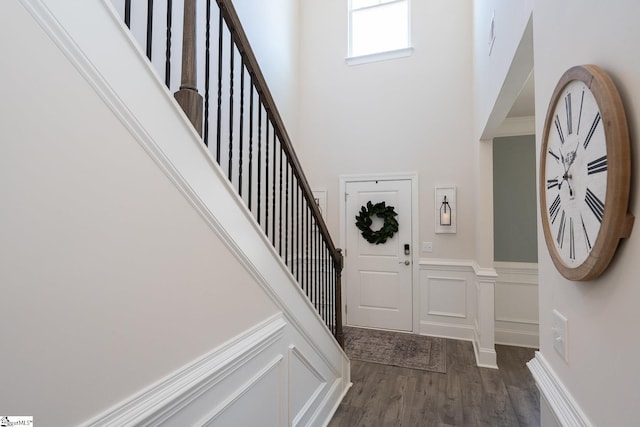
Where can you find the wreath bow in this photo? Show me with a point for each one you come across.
(381, 210)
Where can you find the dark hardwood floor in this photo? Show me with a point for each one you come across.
(465, 396)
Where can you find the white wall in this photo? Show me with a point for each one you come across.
(110, 278)
(495, 82)
(603, 372)
(125, 257)
(409, 114)
(273, 31)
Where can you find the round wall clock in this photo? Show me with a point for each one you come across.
(585, 169)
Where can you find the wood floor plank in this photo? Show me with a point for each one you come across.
(465, 396)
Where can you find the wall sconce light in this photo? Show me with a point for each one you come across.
(446, 214)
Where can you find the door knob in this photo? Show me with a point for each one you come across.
(405, 262)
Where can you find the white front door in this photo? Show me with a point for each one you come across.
(379, 277)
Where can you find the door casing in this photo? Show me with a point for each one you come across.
(415, 236)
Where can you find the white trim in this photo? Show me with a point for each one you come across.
(447, 264)
(517, 268)
(479, 329)
(178, 389)
(446, 330)
(484, 272)
(516, 320)
(484, 333)
(517, 126)
(485, 357)
(511, 330)
(431, 312)
(415, 227)
(563, 405)
(518, 338)
(380, 56)
(295, 352)
(244, 389)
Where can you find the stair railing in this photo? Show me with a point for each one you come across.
(238, 120)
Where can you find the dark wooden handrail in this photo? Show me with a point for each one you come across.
(256, 152)
(244, 47)
(242, 42)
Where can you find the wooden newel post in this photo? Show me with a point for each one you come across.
(188, 97)
(339, 266)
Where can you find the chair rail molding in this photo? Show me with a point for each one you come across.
(456, 300)
(565, 409)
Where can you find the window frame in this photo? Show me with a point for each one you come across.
(382, 55)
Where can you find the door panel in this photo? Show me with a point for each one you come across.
(379, 277)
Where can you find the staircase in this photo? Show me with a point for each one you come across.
(184, 274)
(229, 104)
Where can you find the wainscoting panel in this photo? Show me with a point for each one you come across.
(268, 376)
(446, 296)
(517, 304)
(306, 385)
(456, 300)
(257, 394)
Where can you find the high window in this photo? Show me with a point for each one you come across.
(379, 27)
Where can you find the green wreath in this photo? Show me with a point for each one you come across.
(388, 229)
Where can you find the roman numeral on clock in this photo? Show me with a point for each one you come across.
(594, 125)
(563, 223)
(572, 245)
(552, 183)
(554, 209)
(598, 165)
(586, 235)
(567, 104)
(559, 129)
(595, 204)
(580, 115)
(554, 155)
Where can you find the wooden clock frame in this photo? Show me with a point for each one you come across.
(616, 223)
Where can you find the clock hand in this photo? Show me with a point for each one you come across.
(566, 175)
(571, 156)
(570, 188)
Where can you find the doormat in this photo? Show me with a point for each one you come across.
(396, 348)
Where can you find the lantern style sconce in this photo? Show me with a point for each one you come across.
(445, 210)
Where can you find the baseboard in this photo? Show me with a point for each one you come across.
(485, 357)
(446, 330)
(331, 411)
(558, 399)
(517, 338)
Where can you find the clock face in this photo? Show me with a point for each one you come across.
(585, 173)
(576, 173)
